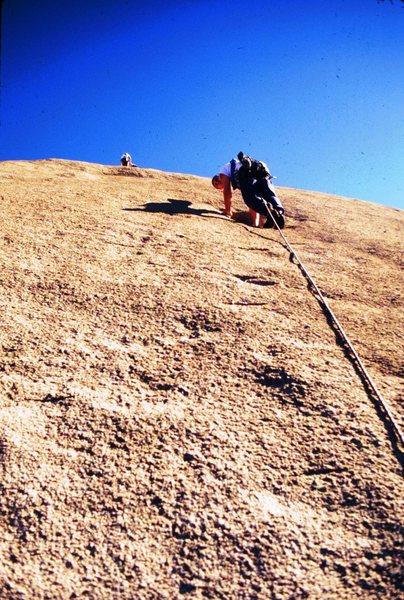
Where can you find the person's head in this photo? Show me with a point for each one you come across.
(217, 182)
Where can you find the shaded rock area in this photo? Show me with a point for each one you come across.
(177, 417)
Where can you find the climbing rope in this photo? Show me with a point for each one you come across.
(359, 363)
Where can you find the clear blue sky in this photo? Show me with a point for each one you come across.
(313, 87)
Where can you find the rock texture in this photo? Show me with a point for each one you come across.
(177, 416)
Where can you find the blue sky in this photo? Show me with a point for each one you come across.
(313, 87)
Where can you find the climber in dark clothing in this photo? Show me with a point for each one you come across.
(253, 179)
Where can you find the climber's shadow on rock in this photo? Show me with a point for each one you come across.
(242, 216)
(174, 207)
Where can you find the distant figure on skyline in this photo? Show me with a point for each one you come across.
(126, 160)
(253, 179)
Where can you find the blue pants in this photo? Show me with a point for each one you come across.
(257, 194)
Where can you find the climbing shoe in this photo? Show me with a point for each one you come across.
(277, 217)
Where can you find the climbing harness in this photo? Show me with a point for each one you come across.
(358, 361)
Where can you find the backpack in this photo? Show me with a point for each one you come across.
(252, 168)
(255, 168)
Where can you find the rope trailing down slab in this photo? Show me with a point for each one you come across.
(293, 254)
